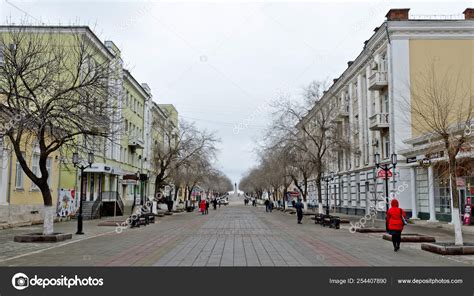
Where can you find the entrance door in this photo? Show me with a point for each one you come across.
(99, 182)
(91, 189)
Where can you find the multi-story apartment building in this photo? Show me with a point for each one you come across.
(122, 170)
(374, 96)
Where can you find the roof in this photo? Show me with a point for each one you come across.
(85, 29)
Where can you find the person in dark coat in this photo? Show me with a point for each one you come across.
(299, 206)
(395, 223)
(267, 205)
(214, 203)
(207, 207)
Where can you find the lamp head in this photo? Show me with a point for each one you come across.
(393, 159)
(90, 158)
(75, 158)
(377, 159)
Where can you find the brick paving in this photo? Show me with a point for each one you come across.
(234, 235)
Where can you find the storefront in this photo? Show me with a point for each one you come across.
(101, 179)
(432, 183)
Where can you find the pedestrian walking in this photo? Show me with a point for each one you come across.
(202, 206)
(267, 205)
(299, 206)
(270, 206)
(207, 207)
(396, 220)
(214, 203)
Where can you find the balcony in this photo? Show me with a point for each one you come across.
(342, 113)
(136, 142)
(379, 121)
(378, 80)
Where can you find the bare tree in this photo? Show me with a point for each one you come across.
(178, 148)
(59, 91)
(310, 134)
(441, 106)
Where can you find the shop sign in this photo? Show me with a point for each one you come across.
(129, 182)
(411, 159)
(382, 173)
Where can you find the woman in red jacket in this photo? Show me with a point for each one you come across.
(202, 206)
(395, 223)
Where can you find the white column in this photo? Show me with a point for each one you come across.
(431, 197)
(414, 211)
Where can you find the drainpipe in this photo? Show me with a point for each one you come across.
(391, 100)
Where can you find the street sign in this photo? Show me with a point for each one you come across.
(381, 174)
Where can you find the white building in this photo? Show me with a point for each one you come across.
(374, 98)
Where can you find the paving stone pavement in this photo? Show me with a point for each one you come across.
(233, 235)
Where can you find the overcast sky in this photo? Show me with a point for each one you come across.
(220, 63)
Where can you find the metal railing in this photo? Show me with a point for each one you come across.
(379, 119)
(95, 211)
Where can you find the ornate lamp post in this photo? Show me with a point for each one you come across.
(327, 178)
(80, 165)
(386, 168)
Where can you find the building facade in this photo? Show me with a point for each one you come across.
(122, 172)
(375, 115)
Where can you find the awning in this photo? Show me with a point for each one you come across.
(103, 168)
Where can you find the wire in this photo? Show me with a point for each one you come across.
(24, 11)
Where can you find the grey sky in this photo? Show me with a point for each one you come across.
(220, 63)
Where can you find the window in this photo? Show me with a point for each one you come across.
(386, 145)
(358, 192)
(35, 169)
(126, 125)
(386, 107)
(126, 98)
(19, 175)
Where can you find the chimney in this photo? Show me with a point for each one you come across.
(469, 14)
(397, 14)
(349, 63)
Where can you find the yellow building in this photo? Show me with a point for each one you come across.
(121, 175)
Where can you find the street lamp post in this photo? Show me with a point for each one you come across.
(328, 178)
(77, 163)
(386, 168)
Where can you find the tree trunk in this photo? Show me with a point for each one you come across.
(320, 194)
(458, 239)
(49, 210)
(159, 182)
